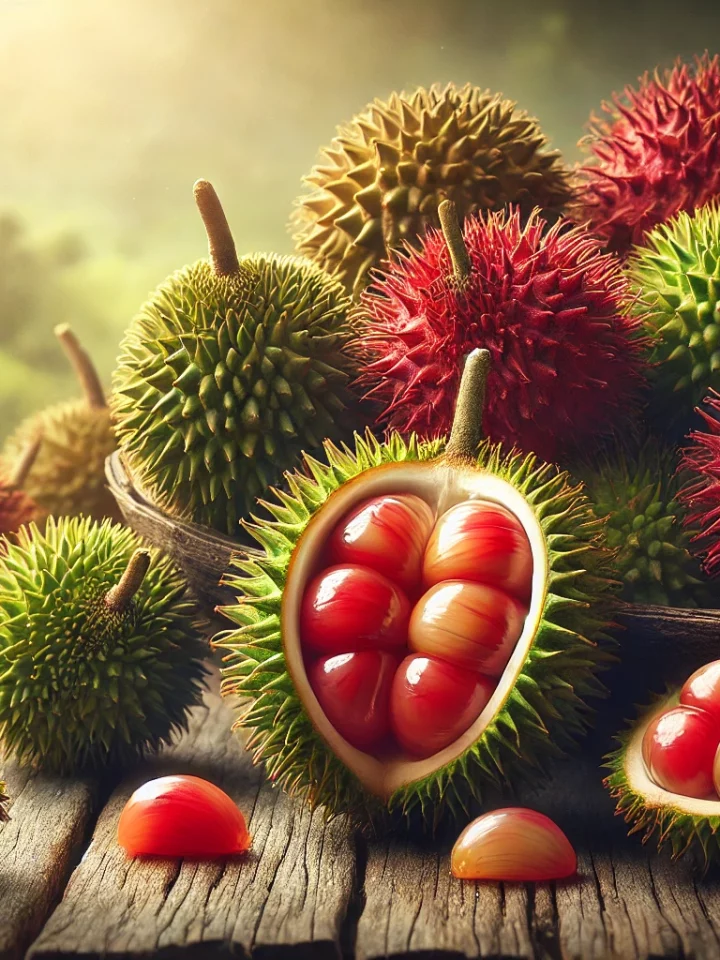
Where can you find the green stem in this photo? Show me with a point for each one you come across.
(467, 431)
(118, 598)
(223, 255)
(452, 231)
(84, 367)
(24, 464)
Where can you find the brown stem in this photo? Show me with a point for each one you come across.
(452, 231)
(84, 367)
(24, 464)
(118, 598)
(467, 431)
(220, 242)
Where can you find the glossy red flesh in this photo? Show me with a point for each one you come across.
(679, 749)
(702, 690)
(182, 816)
(357, 624)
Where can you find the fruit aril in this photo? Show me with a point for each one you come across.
(483, 542)
(469, 624)
(354, 691)
(433, 702)
(350, 607)
(702, 690)
(387, 533)
(679, 748)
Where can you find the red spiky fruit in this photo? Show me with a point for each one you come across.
(547, 304)
(701, 494)
(655, 153)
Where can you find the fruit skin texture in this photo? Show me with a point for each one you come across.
(679, 748)
(675, 287)
(547, 304)
(701, 496)
(433, 702)
(222, 380)
(542, 715)
(638, 491)
(182, 816)
(83, 684)
(513, 844)
(380, 181)
(656, 153)
(702, 690)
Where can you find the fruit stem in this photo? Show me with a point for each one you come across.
(24, 464)
(84, 367)
(467, 431)
(452, 231)
(118, 598)
(221, 245)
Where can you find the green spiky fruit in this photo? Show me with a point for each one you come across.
(228, 371)
(539, 704)
(637, 493)
(382, 178)
(684, 824)
(67, 478)
(676, 281)
(100, 660)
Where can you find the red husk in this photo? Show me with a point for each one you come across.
(702, 494)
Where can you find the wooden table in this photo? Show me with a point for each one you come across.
(313, 889)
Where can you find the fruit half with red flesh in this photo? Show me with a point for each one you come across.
(679, 748)
(387, 533)
(560, 646)
(702, 690)
(182, 816)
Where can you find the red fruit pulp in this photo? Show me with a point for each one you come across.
(182, 816)
(433, 702)
(482, 542)
(388, 534)
(679, 749)
(353, 608)
(354, 691)
(702, 690)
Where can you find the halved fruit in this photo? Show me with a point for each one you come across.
(507, 681)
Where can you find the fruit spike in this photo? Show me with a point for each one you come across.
(513, 845)
(447, 741)
(656, 153)
(701, 495)
(567, 360)
(182, 816)
(230, 369)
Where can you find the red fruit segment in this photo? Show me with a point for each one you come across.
(182, 816)
(353, 608)
(514, 844)
(386, 533)
(702, 690)
(470, 624)
(679, 748)
(482, 542)
(433, 702)
(354, 691)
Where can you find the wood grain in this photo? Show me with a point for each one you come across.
(50, 817)
(290, 892)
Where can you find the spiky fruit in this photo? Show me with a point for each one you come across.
(16, 507)
(382, 178)
(637, 492)
(99, 656)
(67, 478)
(229, 369)
(429, 735)
(701, 495)
(675, 281)
(662, 774)
(547, 304)
(657, 152)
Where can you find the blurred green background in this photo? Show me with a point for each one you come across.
(110, 111)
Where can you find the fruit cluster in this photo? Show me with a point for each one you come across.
(407, 629)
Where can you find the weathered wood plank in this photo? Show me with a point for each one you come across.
(291, 891)
(50, 817)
